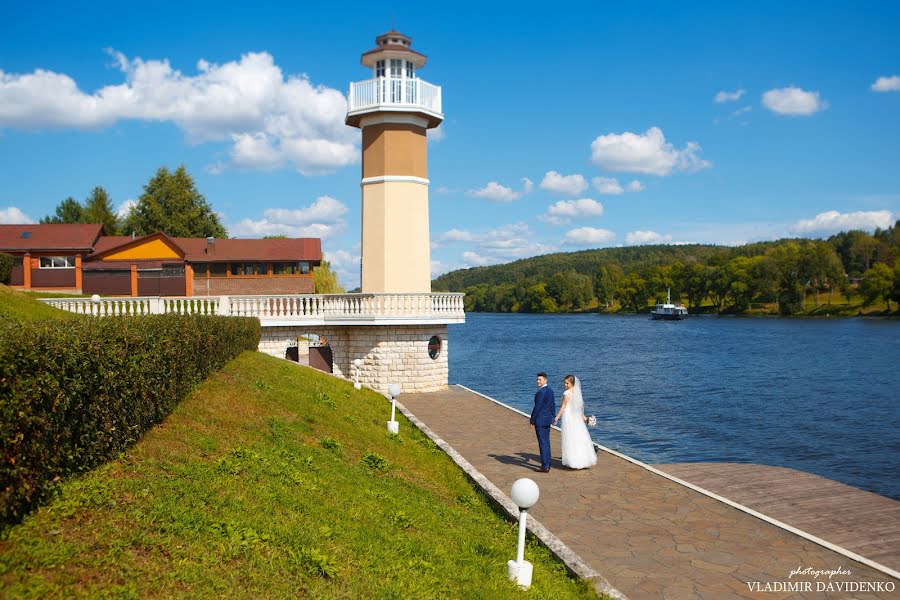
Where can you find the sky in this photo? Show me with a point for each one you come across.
(567, 126)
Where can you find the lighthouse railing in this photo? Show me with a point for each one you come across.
(394, 92)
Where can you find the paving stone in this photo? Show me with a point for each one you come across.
(650, 537)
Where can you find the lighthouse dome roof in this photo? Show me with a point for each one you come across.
(393, 44)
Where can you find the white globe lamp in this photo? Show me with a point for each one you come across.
(392, 425)
(357, 363)
(525, 494)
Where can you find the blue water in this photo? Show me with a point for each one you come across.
(821, 396)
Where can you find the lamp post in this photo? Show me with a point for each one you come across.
(357, 363)
(392, 425)
(525, 494)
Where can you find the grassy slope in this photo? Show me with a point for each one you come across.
(259, 485)
(20, 307)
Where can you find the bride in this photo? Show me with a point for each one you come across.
(577, 448)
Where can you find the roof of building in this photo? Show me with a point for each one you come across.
(198, 250)
(57, 236)
(87, 238)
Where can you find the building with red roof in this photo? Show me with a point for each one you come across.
(64, 257)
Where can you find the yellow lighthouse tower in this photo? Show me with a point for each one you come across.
(394, 109)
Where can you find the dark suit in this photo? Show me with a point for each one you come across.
(542, 418)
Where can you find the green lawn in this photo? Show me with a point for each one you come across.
(22, 306)
(273, 480)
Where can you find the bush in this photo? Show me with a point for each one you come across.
(6, 265)
(76, 393)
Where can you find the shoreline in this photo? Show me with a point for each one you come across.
(889, 317)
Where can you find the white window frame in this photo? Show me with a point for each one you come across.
(68, 262)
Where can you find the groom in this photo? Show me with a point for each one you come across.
(542, 417)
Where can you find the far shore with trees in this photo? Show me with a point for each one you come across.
(852, 272)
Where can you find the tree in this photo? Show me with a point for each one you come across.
(695, 282)
(98, 209)
(719, 286)
(633, 292)
(171, 204)
(326, 279)
(570, 290)
(878, 282)
(895, 291)
(605, 282)
(67, 211)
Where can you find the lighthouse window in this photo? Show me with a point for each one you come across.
(410, 70)
(396, 67)
(379, 68)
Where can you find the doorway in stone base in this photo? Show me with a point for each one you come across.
(312, 350)
(320, 355)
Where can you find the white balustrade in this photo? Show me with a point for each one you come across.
(387, 91)
(282, 308)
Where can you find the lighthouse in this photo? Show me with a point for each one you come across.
(394, 109)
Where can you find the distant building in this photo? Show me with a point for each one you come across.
(77, 258)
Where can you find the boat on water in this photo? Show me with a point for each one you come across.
(668, 311)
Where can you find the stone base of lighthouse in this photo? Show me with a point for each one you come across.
(389, 353)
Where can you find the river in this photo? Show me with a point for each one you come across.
(818, 395)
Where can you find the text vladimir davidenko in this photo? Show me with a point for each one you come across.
(821, 586)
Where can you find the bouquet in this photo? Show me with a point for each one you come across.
(592, 421)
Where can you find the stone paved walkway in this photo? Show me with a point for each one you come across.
(650, 537)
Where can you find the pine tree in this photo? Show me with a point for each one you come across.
(172, 204)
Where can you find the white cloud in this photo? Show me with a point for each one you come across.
(647, 153)
(566, 184)
(742, 111)
(527, 185)
(473, 259)
(589, 236)
(320, 219)
(497, 245)
(264, 227)
(346, 265)
(437, 134)
(562, 212)
(640, 238)
(635, 186)
(608, 186)
(793, 101)
(887, 84)
(325, 209)
(833, 221)
(14, 216)
(272, 120)
(125, 208)
(500, 193)
(724, 96)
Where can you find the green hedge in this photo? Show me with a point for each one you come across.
(6, 265)
(76, 393)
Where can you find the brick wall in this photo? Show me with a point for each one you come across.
(229, 286)
(390, 354)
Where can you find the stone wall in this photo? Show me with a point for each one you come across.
(390, 354)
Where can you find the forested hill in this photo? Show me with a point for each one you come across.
(586, 262)
(780, 276)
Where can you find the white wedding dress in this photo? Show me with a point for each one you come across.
(577, 448)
